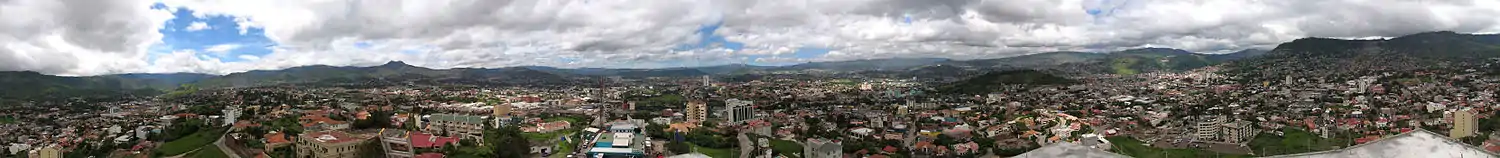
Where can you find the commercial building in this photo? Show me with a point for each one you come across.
(622, 140)
(330, 144)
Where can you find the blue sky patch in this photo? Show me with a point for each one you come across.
(221, 31)
(709, 39)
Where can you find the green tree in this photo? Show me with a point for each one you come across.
(505, 142)
(656, 130)
(679, 147)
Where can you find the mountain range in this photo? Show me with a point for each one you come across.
(1432, 45)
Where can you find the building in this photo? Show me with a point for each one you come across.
(166, 121)
(739, 110)
(1464, 124)
(622, 140)
(1238, 131)
(275, 140)
(455, 125)
(502, 110)
(231, 114)
(401, 143)
(321, 123)
(1068, 149)
(697, 111)
(1416, 143)
(1207, 127)
(708, 82)
(51, 151)
(823, 148)
(330, 144)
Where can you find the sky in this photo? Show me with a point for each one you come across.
(97, 37)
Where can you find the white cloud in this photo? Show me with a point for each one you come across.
(626, 33)
(249, 57)
(222, 48)
(77, 37)
(195, 26)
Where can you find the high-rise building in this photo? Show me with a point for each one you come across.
(1238, 131)
(708, 82)
(230, 114)
(739, 110)
(697, 111)
(1207, 127)
(1464, 124)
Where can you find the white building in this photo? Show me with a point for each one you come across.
(822, 148)
(230, 114)
(1207, 127)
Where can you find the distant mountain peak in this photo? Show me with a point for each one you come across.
(396, 63)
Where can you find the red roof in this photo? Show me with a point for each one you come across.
(424, 140)
(274, 138)
(889, 149)
(310, 120)
(244, 123)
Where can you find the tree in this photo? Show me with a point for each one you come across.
(679, 147)
(450, 149)
(505, 142)
(656, 130)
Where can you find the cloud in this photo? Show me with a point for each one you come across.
(645, 33)
(77, 37)
(221, 48)
(249, 57)
(195, 26)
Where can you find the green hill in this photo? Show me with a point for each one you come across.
(990, 82)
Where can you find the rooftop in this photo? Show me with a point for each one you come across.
(330, 137)
(469, 119)
(1417, 143)
(1068, 149)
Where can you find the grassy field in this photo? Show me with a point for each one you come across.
(190, 142)
(208, 152)
(786, 148)
(553, 135)
(7, 120)
(715, 152)
(564, 148)
(1122, 66)
(1136, 148)
(1293, 141)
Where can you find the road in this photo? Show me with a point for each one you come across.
(227, 151)
(747, 147)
